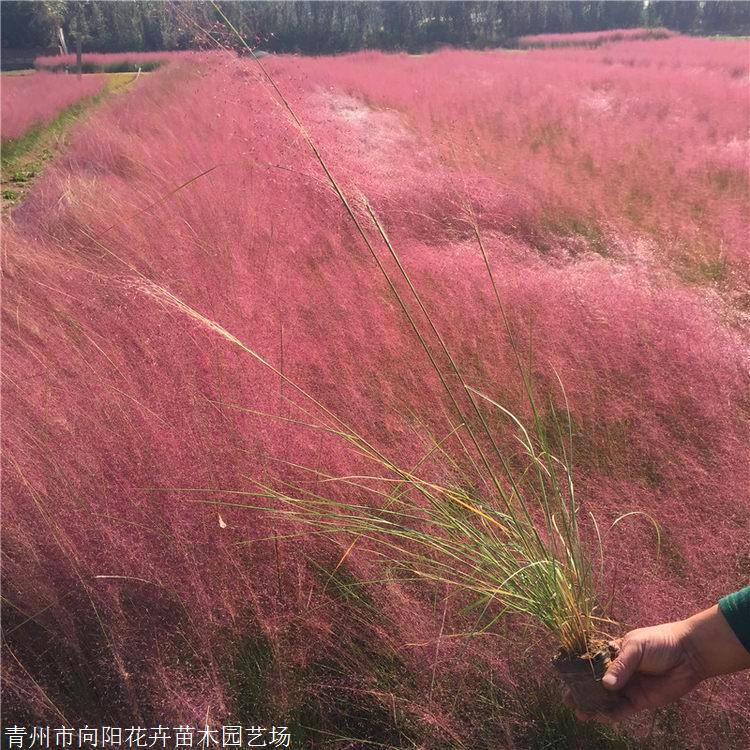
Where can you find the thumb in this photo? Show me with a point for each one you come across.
(624, 666)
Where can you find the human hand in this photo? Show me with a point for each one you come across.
(655, 666)
(658, 665)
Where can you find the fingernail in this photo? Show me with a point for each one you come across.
(609, 680)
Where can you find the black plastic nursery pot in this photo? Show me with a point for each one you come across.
(583, 675)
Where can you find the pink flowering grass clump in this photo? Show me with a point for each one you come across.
(27, 101)
(592, 38)
(143, 583)
(109, 62)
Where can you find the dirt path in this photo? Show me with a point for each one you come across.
(24, 159)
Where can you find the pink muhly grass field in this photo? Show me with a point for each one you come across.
(29, 100)
(592, 38)
(110, 60)
(611, 205)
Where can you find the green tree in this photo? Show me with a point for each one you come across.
(623, 15)
(725, 17)
(334, 25)
(680, 15)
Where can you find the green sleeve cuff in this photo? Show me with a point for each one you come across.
(736, 610)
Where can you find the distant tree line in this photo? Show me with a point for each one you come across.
(336, 26)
